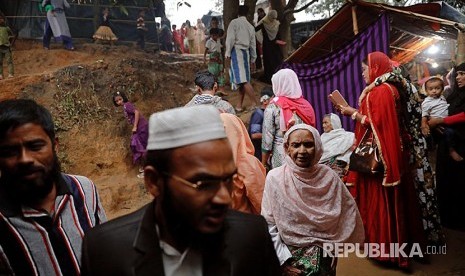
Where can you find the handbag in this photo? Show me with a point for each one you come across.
(366, 158)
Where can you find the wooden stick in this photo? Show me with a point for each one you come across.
(354, 19)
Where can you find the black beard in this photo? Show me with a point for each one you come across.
(31, 192)
(182, 230)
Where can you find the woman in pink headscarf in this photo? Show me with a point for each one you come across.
(306, 205)
(287, 109)
(248, 189)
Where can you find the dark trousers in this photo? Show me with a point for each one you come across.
(141, 38)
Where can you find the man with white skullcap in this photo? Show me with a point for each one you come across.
(188, 229)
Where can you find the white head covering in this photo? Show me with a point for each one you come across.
(183, 126)
(271, 24)
(338, 142)
(310, 205)
(286, 84)
(335, 121)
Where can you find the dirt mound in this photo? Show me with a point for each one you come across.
(94, 136)
(77, 86)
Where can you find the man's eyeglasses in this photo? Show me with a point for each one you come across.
(207, 184)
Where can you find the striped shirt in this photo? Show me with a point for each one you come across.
(33, 242)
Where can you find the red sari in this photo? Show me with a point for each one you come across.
(178, 40)
(387, 202)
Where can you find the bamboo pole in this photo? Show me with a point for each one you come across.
(354, 19)
(460, 47)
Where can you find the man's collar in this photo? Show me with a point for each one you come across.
(62, 185)
(9, 207)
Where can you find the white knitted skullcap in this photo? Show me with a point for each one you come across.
(183, 126)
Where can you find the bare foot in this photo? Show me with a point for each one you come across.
(455, 155)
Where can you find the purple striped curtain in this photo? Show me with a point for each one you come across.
(341, 70)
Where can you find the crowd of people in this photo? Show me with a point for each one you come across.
(232, 200)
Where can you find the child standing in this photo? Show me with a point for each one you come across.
(5, 48)
(178, 40)
(104, 32)
(435, 105)
(140, 131)
(141, 30)
(215, 62)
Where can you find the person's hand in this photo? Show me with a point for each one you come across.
(134, 129)
(288, 270)
(346, 110)
(425, 130)
(435, 121)
(227, 62)
(252, 66)
(204, 60)
(365, 92)
(362, 96)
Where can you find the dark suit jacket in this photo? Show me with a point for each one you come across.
(129, 246)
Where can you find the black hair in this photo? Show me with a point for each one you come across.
(267, 90)
(260, 10)
(18, 112)
(214, 18)
(243, 10)
(159, 159)
(173, 26)
(122, 95)
(214, 31)
(205, 80)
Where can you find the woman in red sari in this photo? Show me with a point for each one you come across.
(386, 201)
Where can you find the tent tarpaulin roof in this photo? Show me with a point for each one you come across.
(413, 29)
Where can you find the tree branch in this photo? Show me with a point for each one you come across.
(287, 11)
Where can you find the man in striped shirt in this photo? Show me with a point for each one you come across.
(44, 213)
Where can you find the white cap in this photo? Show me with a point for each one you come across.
(183, 126)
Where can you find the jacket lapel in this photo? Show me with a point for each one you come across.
(146, 244)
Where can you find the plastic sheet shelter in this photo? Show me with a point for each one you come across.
(331, 58)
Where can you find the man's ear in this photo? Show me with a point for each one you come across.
(55, 145)
(153, 181)
(198, 90)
